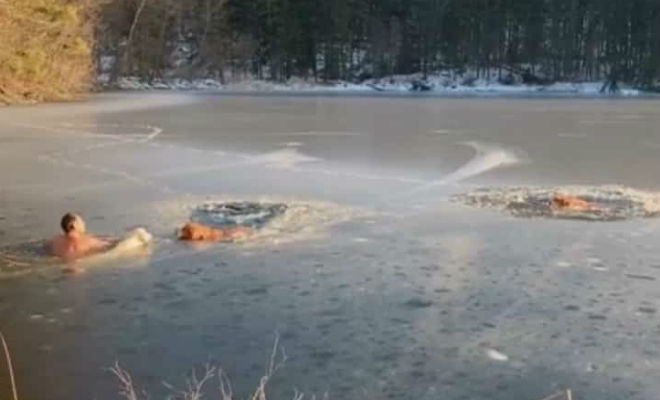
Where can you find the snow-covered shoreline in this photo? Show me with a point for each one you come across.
(400, 84)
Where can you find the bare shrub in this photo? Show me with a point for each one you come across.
(45, 49)
(195, 385)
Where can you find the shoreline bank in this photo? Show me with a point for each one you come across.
(403, 84)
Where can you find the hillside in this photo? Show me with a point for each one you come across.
(45, 50)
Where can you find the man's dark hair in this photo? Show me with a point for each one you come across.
(67, 222)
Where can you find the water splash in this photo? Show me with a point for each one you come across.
(301, 221)
(245, 213)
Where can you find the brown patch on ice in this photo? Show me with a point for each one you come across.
(592, 203)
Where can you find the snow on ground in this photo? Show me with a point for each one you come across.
(443, 83)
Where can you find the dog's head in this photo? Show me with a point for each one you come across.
(194, 231)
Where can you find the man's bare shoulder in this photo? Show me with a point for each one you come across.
(62, 246)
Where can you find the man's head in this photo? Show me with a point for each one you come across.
(72, 223)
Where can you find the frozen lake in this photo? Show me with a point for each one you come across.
(378, 284)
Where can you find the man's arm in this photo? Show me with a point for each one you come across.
(96, 244)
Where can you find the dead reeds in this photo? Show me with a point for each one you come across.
(195, 385)
(10, 366)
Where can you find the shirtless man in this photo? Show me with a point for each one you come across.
(75, 243)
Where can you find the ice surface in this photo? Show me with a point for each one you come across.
(487, 157)
(376, 292)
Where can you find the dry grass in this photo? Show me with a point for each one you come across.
(45, 49)
(560, 395)
(195, 386)
(10, 366)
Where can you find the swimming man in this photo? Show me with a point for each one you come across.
(74, 242)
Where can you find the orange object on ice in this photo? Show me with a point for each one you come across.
(199, 232)
(573, 203)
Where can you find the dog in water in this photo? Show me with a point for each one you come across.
(572, 203)
(194, 231)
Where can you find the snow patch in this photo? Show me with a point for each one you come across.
(285, 158)
(496, 355)
(439, 83)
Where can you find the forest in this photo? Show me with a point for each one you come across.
(357, 39)
(325, 40)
